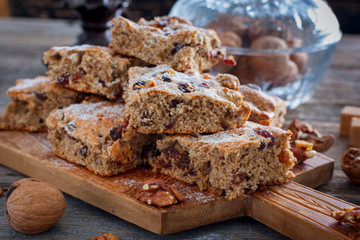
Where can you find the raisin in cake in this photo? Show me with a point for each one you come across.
(31, 102)
(90, 69)
(234, 162)
(161, 100)
(90, 134)
(167, 40)
(266, 109)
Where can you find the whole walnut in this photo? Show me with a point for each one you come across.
(300, 58)
(350, 164)
(33, 206)
(269, 67)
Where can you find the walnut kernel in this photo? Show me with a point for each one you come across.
(156, 192)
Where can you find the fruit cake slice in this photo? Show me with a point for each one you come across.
(161, 100)
(234, 162)
(90, 134)
(90, 69)
(266, 109)
(167, 40)
(32, 100)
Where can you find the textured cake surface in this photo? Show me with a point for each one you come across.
(161, 100)
(266, 109)
(167, 40)
(90, 69)
(234, 162)
(32, 100)
(90, 134)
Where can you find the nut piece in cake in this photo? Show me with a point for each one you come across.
(350, 164)
(266, 109)
(91, 135)
(347, 113)
(167, 40)
(161, 100)
(90, 69)
(156, 192)
(234, 162)
(32, 100)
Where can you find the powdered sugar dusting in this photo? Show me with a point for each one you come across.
(83, 47)
(30, 84)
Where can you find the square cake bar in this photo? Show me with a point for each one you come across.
(90, 135)
(161, 100)
(32, 100)
(233, 162)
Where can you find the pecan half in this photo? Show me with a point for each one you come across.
(306, 132)
(349, 215)
(105, 236)
(156, 192)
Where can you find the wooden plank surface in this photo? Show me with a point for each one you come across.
(30, 154)
(22, 42)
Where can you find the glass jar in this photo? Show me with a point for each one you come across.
(284, 46)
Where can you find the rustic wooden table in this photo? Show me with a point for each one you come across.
(22, 42)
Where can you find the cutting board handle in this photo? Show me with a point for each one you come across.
(300, 212)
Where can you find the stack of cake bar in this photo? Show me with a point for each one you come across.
(145, 100)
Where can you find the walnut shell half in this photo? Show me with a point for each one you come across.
(33, 206)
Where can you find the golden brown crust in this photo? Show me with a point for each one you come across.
(163, 100)
(90, 69)
(234, 162)
(91, 135)
(31, 102)
(167, 40)
(266, 109)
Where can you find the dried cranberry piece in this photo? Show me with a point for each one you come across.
(230, 62)
(166, 77)
(174, 103)
(266, 134)
(102, 82)
(184, 164)
(177, 48)
(192, 172)
(125, 123)
(164, 164)
(262, 146)
(70, 126)
(253, 86)
(83, 151)
(41, 96)
(171, 152)
(186, 87)
(63, 79)
(169, 125)
(238, 178)
(146, 118)
(139, 84)
(115, 133)
(224, 125)
(79, 73)
(204, 85)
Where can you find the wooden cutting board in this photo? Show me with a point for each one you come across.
(292, 209)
